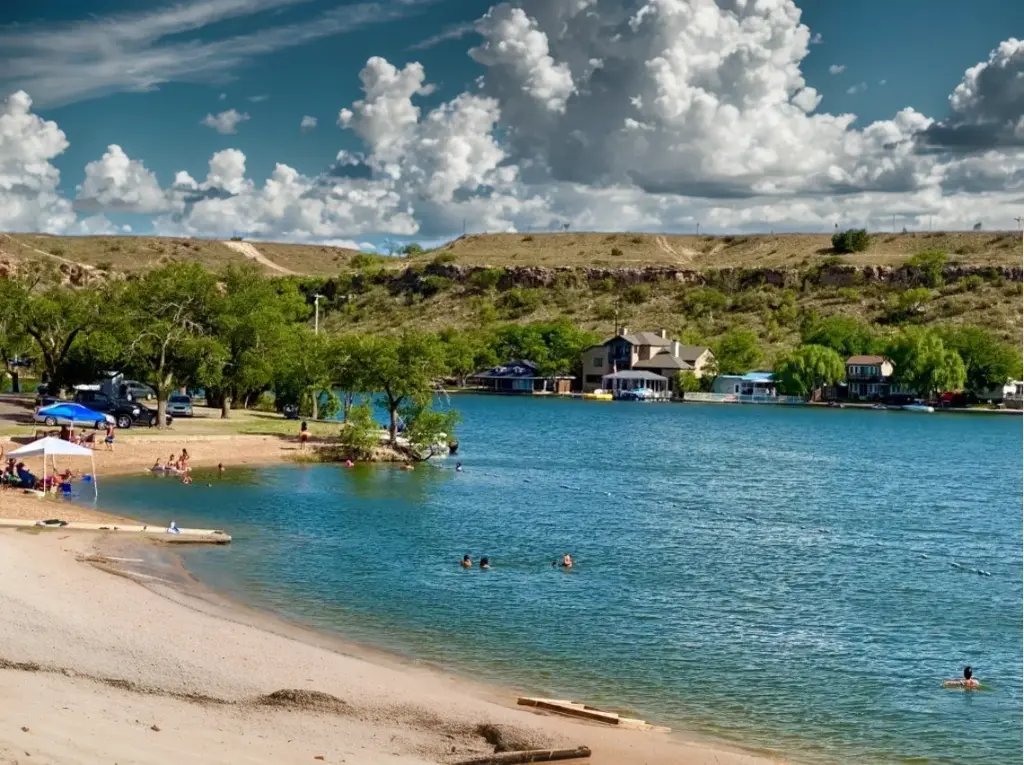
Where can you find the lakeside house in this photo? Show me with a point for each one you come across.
(869, 378)
(652, 352)
(637, 384)
(750, 384)
(522, 377)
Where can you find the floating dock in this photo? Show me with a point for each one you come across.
(575, 709)
(159, 533)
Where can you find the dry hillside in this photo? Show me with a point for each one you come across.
(133, 253)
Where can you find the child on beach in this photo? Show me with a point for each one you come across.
(303, 434)
(109, 440)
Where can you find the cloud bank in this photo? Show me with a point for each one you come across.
(604, 114)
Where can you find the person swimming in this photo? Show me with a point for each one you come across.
(458, 467)
(567, 561)
(485, 563)
(968, 680)
(467, 562)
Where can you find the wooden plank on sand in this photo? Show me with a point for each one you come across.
(574, 709)
(532, 755)
(192, 536)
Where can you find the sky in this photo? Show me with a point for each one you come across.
(380, 121)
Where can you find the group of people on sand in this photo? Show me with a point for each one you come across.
(176, 466)
(15, 475)
(88, 441)
(467, 562)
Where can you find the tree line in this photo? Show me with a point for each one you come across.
(238, 334)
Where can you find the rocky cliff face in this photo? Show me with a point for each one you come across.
(727, 278)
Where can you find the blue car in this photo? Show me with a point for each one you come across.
(72, 414)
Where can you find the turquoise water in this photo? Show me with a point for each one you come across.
(777, 577)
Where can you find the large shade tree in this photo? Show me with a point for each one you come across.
(922, 362)
(405, 369)
(808, 369)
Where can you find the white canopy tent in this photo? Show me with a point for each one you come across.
(56, 446)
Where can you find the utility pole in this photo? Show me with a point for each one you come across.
(894, 223)
(316, 314)
(1020, 222)
(698, 229)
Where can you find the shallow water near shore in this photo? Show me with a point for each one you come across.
(781, 579)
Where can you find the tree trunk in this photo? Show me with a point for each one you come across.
(225, 406)
(316, 404)
(393, 426)
(346, 405)
(15, 382)
(161, 409)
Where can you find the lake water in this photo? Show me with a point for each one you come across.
(781, 578)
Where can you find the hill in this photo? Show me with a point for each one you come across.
(695, 286)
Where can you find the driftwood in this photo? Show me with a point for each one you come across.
(533, 755)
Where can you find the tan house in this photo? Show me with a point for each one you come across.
(645, 351)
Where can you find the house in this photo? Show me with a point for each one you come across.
(869, 378)
(637, 384)
(749, 384)
(647, 351)
(1009, 394)
(521, 377)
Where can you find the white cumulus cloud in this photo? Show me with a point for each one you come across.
(307, 123)
(116, 183)
(837, 69)
(225, 123)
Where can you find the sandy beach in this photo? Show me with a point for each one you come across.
(108, 670)
(111, 664)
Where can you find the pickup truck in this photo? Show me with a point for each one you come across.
(124, 411)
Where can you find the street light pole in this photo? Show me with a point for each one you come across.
(316, 314)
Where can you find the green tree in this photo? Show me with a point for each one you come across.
(909, 303)
(250, 321)
(704, 302)
(350, 359)
(930, 264)
(427, 428)
(165, 318)
(807, 369)
(922, 362)
(305, 370)
(687, 382)
(988, 362)
(851, 240)
(406, 370)
(843, 334)
(737, 351)
(14, 342)
(360, 434)
(467, 352)
(56, 319)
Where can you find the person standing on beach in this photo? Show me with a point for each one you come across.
(303, 434)
(109, 440)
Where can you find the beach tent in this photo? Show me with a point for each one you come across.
(56, 446)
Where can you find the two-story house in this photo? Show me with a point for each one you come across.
(869, 378)
(647, 351)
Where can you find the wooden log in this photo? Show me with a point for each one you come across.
(531, 755)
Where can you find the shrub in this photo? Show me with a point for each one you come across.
(704, 301)
(443, 257)
(412, 249)
(360, 434)
(486, 278)
(363, 260)
(851, 240)
(518, 302)
(603, 285)
(431, 285)
(849, 294)
(637, 294)
(930, 263)
(604, 310)
(616, 252)
(528, 238)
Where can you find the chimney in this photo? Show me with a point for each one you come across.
(623, 331)
(675, 348)
(664, 334)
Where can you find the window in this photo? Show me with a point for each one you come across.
(594, 379)
(599, 361)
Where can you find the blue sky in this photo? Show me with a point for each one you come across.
(892, 55)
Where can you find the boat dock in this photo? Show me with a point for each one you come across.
(158, 533)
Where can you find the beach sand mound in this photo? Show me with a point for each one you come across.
(310, 701)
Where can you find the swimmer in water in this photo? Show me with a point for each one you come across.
(567, 561)
(458, 467)
(484, 563)
(467, 562)
(968, 680)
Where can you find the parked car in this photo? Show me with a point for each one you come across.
(179, 405)
(72, 414)
(139, 391)
(126, 413)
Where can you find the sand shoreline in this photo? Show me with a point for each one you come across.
(391, 709)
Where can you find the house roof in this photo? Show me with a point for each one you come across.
(641, 338)
(755, 377)
(664, 360)
(866, 360)
(516, 368)
(635, 374)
